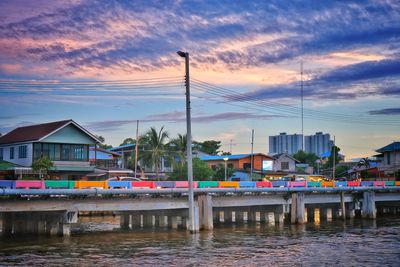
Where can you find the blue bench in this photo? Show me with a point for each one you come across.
(367, 183)
(247, 184)
(279, 184)
(340, 183)
(7, 184)
(120, 184)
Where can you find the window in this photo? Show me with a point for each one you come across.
(284, 165)
(22, 152)
(1, 153)
(37, 151)
(11, 152)
(246, 166)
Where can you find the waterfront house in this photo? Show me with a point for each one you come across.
(65, 143)
(390, 160)
(284, 163)
(241, 163)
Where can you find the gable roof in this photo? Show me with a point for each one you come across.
(232, 157)
(395, 146)
(277, 156)
(38, 132)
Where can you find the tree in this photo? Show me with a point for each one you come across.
(102, 140)
(201, 171)
(178, 148)
(42, 165)
(128, 141)
(364, 162)
(308, 158)
(210, 146)
(154, 147)
(334, 151)
(219, 174)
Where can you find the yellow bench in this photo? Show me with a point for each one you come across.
(91, 184)
(229, 184)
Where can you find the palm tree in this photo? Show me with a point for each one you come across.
(364, 162)
(178, 148)
(154, 147)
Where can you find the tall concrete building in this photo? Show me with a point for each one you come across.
(284, 143)
(318, 143)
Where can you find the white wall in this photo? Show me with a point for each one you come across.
(26, 162)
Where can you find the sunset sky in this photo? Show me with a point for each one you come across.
(106, 64)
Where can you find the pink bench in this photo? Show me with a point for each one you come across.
(298, 184)
(263, 184)
(379, 183)
(30, 184)
(184, 184)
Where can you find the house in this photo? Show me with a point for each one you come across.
(65, 143)
(390, 159)
(242, 163)
(284, 163)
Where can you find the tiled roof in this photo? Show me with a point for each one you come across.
(395, 146)
(32, 132)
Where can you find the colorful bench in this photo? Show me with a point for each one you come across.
(379, 183)
(59, 184)
(30, 184)
(298, 184)
(120, 184)
(313, 184)
(7, 184)
(340, 183)
(397, 183)
(389, 183)
(208, 184)
(185, 184)
(367, 183)
(353, 183)
(247, 184)
(91, 184)
(263, 184)
(165, 184)
(229, 184)
(327, 184)
(279, 184)
(143, 184)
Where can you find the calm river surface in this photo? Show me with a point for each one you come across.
(94, 242)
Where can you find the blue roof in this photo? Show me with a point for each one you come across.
(395, 146)
(230, 157)
(121, 147)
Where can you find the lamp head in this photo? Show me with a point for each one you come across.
(226, 159)
(182, 54)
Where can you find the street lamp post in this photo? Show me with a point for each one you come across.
(192, 225)
(226, 162)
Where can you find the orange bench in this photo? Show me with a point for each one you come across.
(327, 184)
(91, 184)
(229, 184)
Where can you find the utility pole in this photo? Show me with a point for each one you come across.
(192, 225)
(302, 111)
(251, 157)
(334, 156)
(230, 147)
(136, 146)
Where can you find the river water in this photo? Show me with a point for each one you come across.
(97, 242)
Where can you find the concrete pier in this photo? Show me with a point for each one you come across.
(368, 205)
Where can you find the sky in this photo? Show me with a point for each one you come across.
(106, 64)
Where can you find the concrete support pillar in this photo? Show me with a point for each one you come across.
(227, 215)
(136, 220)
(310, 214)
(7, 228)
(335, 213)
(162, 221)
(251, 215)
(124, 221)
(205, 212)
(323, 214)
(239, 216)
(350, 211)
(216, 216)
(264, 218)
(184, 222)
(368, 205)
(279, 214)
(173, 222)
(297, 209)
(343, 206)
(147, 220)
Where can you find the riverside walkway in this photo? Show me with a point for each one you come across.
(52, 211)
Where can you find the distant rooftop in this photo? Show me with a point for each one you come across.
(395, 146)
(231, 157)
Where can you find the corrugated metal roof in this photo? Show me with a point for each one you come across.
(231, 157)
(395, 146)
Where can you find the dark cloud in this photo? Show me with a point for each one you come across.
(386, 111)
